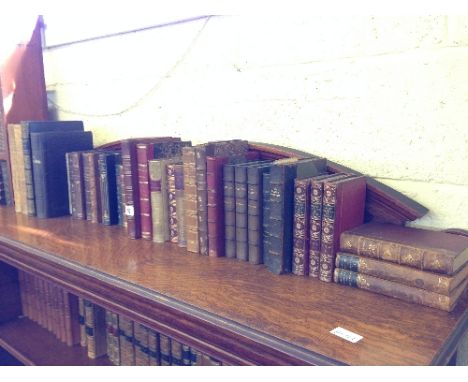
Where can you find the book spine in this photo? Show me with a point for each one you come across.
(92, 187)
(215, 200)
(180, 203)
(200, 167)
(14, 167)
(315, 227)
(266, 215)
(38, 155)
(104, 188)
(127, 349)
(176, 353)
(81, 320)
(77, 192)
(131, 191)
(422, 258)
(327, 250)
(7, 193)
(159, 222)
(229, 202)
(172, 202)
(108, 186)
(153, 348)
(141, 345)
(301, 236)
(69, 183)
(2, 187)
(165, 349)
(109, 337)
(28, 176)
(395, 290)
(279, 259)
(72, 303)
(240, 195)
(21, 172)
(115, 338)
(186, 355)
(145, 152)
(120, 199)
(190, 204)
(400, 274)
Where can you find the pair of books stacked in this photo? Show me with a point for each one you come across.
(324, 207)
(51, 307)
(38, 167)
(415, 265)
(129, 343)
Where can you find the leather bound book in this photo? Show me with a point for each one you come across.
(240, 195)
(76, 184)
(24, 158)
(2, 186)
(300, 265)
(255, 211)
(202, 205)
(425, 249)
(72, 323)
(6, 185)
(229, 202)
(141, 345)
(266, 214)
(15, 166)
(107, 162)
(115, 339)
(120, 196)
(159, 204)
(81, 320)
(282, 175)
(145, 152)
(400, 291)
(109, 337)
(190, 202)
(153, 348)
(27, 128)
(131, 187)
(180, 203)
(434, 282)
(95, 320)
(92, 186)
(215, 199)
(315, 220)
(342, 209)
(172, 201)
(49, 168)
(127, 349)
(165, 350)
(176, 353)
(186, 355)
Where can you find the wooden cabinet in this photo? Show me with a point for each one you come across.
(238, 313)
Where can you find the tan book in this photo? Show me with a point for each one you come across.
(127, 349)
(95, 320)
(15, 166)
(141, 345)
(400, 291)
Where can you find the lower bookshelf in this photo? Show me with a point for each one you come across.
(27, 341)
(238, 313)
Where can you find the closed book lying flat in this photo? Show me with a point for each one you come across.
(429, 250)
(434, 282)
(49, 168)
(400, 291)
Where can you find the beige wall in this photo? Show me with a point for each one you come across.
(387, 96)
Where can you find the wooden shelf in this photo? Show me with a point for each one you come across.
(35, 346)
(238, 313)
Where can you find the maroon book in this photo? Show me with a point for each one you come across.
(342, 209)
(145, 152)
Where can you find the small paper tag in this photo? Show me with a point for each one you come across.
(346, 334)
(129, 211)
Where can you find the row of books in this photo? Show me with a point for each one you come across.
(415, 265)
(79, 322)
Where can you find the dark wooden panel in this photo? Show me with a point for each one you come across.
(237, 312)
(33, 345)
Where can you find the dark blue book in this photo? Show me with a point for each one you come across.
(107, 162)
(48, 151)
(282, 175)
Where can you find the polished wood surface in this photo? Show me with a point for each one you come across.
(237, 312)
(35, 346)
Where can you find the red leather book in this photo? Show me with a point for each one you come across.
(342, 209)
(145, 152)
(215, 199)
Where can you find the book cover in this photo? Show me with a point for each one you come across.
(434, 282)
(49, 168)
(282, 175)
(107, 162)
(425, 249)
(400, 291)
(342, 209)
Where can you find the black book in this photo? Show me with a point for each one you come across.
(107, 162)
(281, 199)
(48, 151)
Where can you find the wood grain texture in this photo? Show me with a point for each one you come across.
(233, 311)
(27, 341)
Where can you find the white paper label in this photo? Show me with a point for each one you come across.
(129, 211)
(346, 334)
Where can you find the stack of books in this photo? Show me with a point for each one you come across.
(415, 265)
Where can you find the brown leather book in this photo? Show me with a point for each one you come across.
(171, 194)
(434, 282)
(180, 204)
(301, 237)
(153, 348)
(141, 345)
(342, 209)
(92, 186)
(76, 184)
(400, 291)
(145, 152)
(127, 349)
(425, 249)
